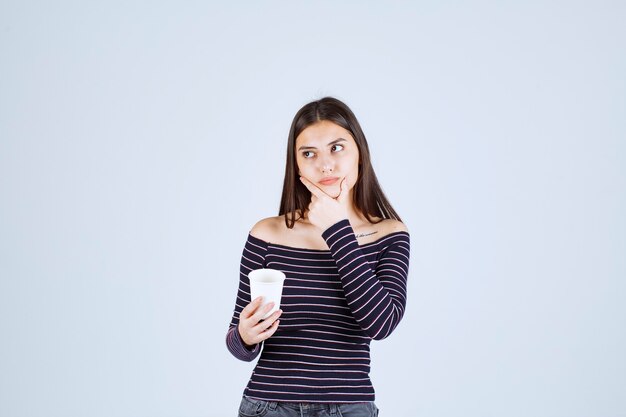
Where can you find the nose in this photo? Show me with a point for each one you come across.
(326, 164)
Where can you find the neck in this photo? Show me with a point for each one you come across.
(355, 216)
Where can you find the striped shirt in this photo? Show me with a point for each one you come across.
(334, 303)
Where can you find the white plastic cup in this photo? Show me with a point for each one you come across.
(268, 283)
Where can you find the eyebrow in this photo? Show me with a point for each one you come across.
(302, 148)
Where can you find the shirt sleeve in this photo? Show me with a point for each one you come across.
(377, 298)
(253, 257)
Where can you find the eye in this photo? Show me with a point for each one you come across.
(308, 154)
(336, 148)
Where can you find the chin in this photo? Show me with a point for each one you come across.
(332, 191)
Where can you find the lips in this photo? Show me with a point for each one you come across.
(329, 180)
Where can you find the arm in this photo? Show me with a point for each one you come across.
(376, 298)
(253, 257)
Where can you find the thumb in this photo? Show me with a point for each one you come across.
(343, 190)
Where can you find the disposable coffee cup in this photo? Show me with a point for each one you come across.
(268, 283)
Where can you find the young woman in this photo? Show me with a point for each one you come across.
(345, 254)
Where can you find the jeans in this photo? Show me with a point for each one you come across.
(257, 408)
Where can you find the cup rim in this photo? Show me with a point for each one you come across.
(281, 276)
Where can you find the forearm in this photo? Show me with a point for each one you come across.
(376, 298)
(237, 347)
(253, 257)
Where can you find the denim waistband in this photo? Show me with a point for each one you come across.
(311, 406)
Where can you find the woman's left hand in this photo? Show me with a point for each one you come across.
(324, 211)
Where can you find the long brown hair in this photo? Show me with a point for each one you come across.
(368, 196)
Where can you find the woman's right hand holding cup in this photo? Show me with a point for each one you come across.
(251, 329)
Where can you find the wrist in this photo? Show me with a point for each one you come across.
(243, 341)
(326, 227)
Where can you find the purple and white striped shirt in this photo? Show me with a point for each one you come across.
(334, 303)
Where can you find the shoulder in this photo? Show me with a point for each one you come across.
(388, 226)
(378, 229)
(395, 234)
(267, 229)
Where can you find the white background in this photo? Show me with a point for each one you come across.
(140, 141)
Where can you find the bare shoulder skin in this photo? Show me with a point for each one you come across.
(304, 235)
(267, 229)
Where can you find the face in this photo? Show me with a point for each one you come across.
(326, 153)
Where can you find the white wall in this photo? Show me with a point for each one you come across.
(140, 141)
